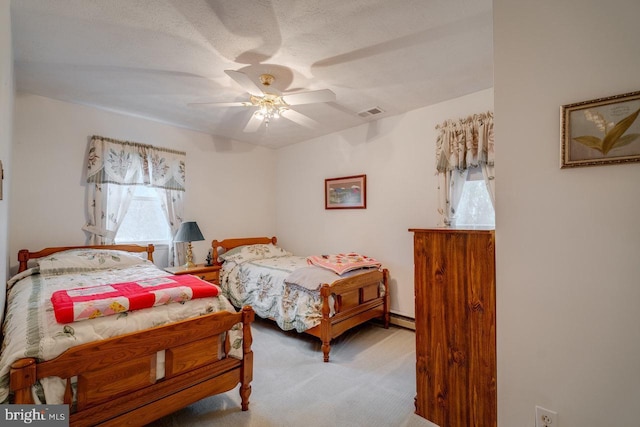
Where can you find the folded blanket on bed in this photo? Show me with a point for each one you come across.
(76, 304)
(341, 263)
(313, 277)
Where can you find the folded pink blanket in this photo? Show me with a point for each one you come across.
(341, 263)
(103, 300)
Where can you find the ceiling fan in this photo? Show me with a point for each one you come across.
(270, 103)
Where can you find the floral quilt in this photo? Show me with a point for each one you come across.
(260, 283)
(30, 328)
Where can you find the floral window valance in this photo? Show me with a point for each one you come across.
(131, 163)
(465, 143)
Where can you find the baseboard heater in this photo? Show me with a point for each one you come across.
(402, 321)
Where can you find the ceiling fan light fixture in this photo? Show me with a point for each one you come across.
(269, 106)
(269, 103)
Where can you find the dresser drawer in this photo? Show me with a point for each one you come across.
(209, 276)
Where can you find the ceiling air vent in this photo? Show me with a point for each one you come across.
(371, 112)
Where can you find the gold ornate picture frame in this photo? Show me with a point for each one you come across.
(601, 131)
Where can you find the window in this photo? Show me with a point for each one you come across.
(475, 208)
(145, 220)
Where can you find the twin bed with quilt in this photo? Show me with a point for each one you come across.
(122, 342)
(323, 295)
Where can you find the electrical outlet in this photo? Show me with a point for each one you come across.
(546, 418)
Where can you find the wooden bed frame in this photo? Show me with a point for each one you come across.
(357, 298)
(116, 377)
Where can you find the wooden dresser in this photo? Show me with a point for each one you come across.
(455, 327)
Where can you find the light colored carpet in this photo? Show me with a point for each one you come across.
(370, 381)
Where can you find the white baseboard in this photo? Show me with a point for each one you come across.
(402, 321)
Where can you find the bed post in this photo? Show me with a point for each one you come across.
(214, 252)
(325, 322)
(150, 249)
(23, 259)
(22, 377)
(247, 357)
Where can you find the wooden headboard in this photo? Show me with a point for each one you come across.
(228, 244)
(24, 255)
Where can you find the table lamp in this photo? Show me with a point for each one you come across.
(189, 232)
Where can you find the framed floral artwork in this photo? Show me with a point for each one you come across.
(601, 131)
(349, 192)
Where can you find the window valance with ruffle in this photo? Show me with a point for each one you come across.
(131, 163)
(465, 143)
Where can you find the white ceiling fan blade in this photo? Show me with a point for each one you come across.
(243, 80)
(299, 118)
(324, 95)
(253, 124)
(220, 104)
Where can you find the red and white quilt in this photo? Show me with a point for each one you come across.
(76, 304)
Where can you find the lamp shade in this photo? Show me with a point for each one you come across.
(188, 232)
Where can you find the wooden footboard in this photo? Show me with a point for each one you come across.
(116, 377)
(357, 298)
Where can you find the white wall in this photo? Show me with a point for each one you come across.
(398, 156)
(568, 287)
(6, 112)
(230, 186)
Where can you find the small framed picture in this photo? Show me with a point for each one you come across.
(601, 131)
(349, 192)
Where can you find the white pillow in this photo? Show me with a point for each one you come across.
(78, 260)
(253, 252)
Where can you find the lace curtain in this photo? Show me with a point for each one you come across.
(460, 145)
(114, 168)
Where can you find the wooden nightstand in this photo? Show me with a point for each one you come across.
(209, 273)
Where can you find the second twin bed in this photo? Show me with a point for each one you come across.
(302, 293)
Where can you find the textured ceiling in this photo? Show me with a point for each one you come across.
(152, 58)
